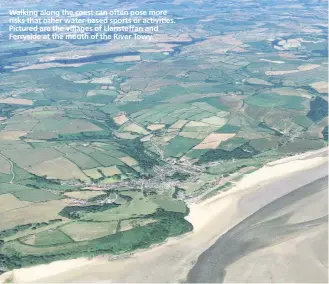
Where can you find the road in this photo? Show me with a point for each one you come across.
(11, 168)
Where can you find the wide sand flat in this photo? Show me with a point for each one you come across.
(211, 219)
(284, 241)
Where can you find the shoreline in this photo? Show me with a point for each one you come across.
(225, 209)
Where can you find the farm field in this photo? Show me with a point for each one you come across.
(103, 144)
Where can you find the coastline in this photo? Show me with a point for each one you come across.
(225, 210)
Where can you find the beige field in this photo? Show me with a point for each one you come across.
(107, 88)
(84, 195)
(179, 124)
(102, 80)
(4, 166)
(190, 97)
(195, 135)
(15, 101)
(287, 44)
(34, 140)
(58, 168)
(128, 136)
(278, 73)
(256, 81)
(210, 145)
(154, 50)
(91, 93)
(213, 140)
(12, 135)
(82, 231)
(164, 38)
(285, 91)
(167, 138)
(129, 96)
(110, 171)
(272, 61)
(34, 213)
(153, 127)
(128, 58)
(128, 160)
(306, 67)
(120, 119)
(158, 84)
(215, 120)
(321, 87)
(10, 202)
(213, 43)
(48, 65)
(287, 55)
(146, 138)
(133, 127)
(196, 124)
(93, 173)
(239, 49)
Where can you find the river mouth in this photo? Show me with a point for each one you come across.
(261, 230)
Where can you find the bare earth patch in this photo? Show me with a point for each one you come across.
(120, 119)
(213, 140)
(102, 80)
(10, 202)
(272, 61)
(110, 171)
(48, 65)
(15, 101)
(129, 161)
(306, 67)
(146, 138)
(321, 87)
(128, 58)
(133, 127)
(153, 127)
(12, 135)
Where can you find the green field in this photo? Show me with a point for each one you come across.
(99, 156)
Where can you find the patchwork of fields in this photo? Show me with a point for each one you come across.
(99, 153)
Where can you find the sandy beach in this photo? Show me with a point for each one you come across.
(212, 219)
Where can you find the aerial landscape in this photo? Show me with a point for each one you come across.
(202, 146)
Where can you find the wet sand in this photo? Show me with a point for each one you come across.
(213, 219)
(285, 241)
